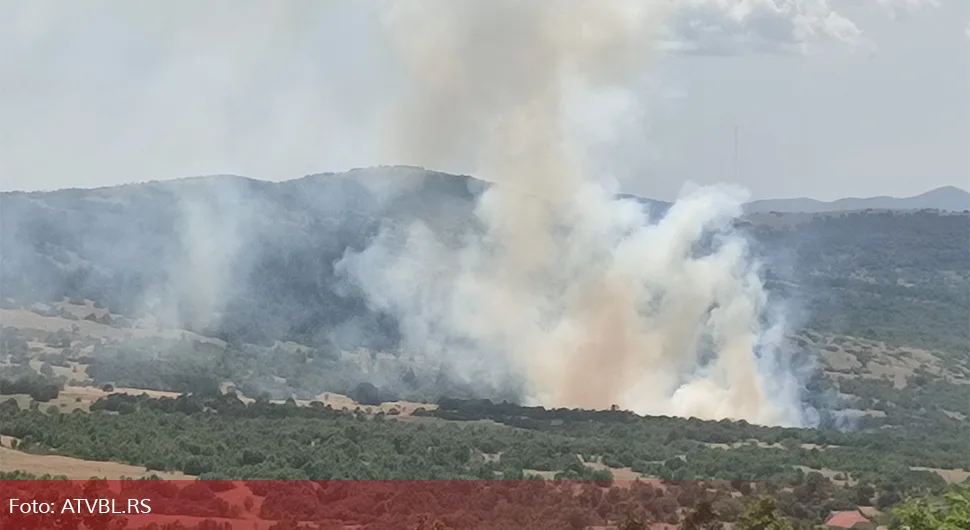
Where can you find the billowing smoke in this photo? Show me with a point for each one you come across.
(211, 216)
(562, 283)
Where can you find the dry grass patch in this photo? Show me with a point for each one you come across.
(830, 474)
(951, 476)
(82, 397)
(27, 320)
(840, 360)
(75, 468)
(745, 443)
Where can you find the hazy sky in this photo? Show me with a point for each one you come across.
(833, 97)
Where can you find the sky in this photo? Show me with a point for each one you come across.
(830, 98)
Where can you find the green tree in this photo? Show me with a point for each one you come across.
(702, 517)
(763, 514)
(919, 514)
(636, 518)
(47, 369)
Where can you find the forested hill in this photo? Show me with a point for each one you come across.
(270, 248)
(118, 245)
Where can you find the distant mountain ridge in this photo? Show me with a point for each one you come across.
(947, 198)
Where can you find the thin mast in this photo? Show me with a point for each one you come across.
(737, 165)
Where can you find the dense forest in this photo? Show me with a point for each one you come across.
(900, 277)
(223, 438)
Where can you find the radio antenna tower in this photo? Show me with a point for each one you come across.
(737, 160)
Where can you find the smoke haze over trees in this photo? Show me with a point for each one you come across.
(546, 285)
(874, 274)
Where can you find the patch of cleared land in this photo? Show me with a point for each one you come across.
(623, 475)
(619, 473)
(830, 474)
(951, 476)
(853, 357)
(24, 319)
(73, 468)
(82, 397)
(338, 402)
(403, 408)
(745, 443)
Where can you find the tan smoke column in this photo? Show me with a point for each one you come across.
(568, 285)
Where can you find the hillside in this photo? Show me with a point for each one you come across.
(947, 198)
(115, 245)
(299, 378)
(261, 257)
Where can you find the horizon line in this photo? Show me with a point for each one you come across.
(412, 167)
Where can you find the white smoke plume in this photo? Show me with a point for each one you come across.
(564, 284)
(211, 216)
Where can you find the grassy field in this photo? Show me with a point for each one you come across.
(72, 468)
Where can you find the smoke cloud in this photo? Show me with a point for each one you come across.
(563, 283)
(211, 217)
